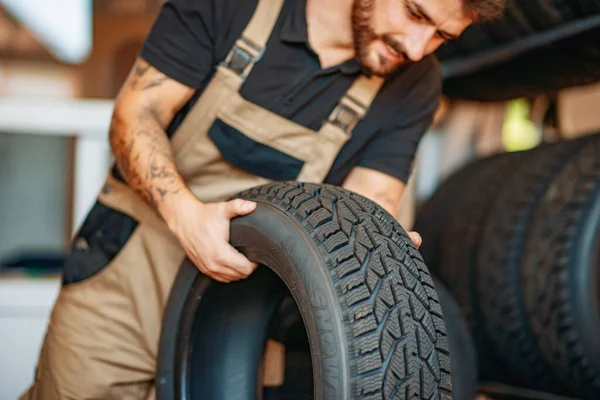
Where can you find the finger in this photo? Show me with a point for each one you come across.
(216, 272)
(221, 271)
(238, 207)
(219, 278)
(214, 275)
(229, 274)
(235, 260)
(221, 274)
(416, 238)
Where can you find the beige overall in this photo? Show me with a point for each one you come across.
(103, 334)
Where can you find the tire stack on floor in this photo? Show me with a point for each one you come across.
(515, 238)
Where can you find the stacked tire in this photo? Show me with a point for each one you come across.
(537, 47)
(516, 239)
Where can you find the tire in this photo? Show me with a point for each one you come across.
(520, 19)
(434, 212)
(460, 241)
(370, 310)
(516, 56)
(479, 38)
(560, 273)
(463, 356)
(288, 329)
(499, 286)
(529, 74)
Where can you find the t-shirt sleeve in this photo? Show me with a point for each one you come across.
(392, 150)
(181, 41)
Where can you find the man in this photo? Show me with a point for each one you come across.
(225, 95)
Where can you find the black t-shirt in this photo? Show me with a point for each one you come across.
(190, 37)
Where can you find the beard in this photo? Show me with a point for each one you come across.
(365, 35)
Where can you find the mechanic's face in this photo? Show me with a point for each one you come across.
(390, 33)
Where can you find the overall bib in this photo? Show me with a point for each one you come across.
(102, 338)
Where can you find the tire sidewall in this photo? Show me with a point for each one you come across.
(178, 318)
(462, 348)
(584, 282)
(302, 266)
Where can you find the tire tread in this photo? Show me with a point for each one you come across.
(395, 326)
(549, 298)
(499, 262)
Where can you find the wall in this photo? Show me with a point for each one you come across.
(116, 41)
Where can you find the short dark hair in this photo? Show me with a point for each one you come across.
(484, 10)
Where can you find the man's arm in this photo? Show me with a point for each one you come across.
(145, 105)
(143, 109)
(382, 188)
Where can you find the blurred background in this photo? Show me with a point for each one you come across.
(527, 79)
(61, 64)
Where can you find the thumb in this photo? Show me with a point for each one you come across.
(238, 207)
(416, 238)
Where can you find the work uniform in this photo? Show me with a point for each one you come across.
(264, 111)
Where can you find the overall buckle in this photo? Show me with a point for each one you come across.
(243, 54)
(346, 114)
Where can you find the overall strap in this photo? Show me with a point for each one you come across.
(250, 47)
(355, 103)
(337, 130)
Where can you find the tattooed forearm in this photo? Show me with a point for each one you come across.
(146, 103)
(145, 158)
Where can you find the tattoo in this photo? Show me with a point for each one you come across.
(145, 158)
(143, 78)
(154, 83)
(142, 150)
(141, 69)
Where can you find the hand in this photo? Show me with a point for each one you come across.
(203, 231)
(416, 238)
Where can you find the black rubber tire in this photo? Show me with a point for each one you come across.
(560, 273)
(288, 329)
(544, 14)
(228, 326)
(499, 286)
(431, 216)
(372, 315)
(529, 38)
(463, 355)
(520, 19)
(529, 74)
(460, 241)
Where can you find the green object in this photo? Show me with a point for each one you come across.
(518, 131)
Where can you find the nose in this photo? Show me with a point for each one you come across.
(418, 40)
